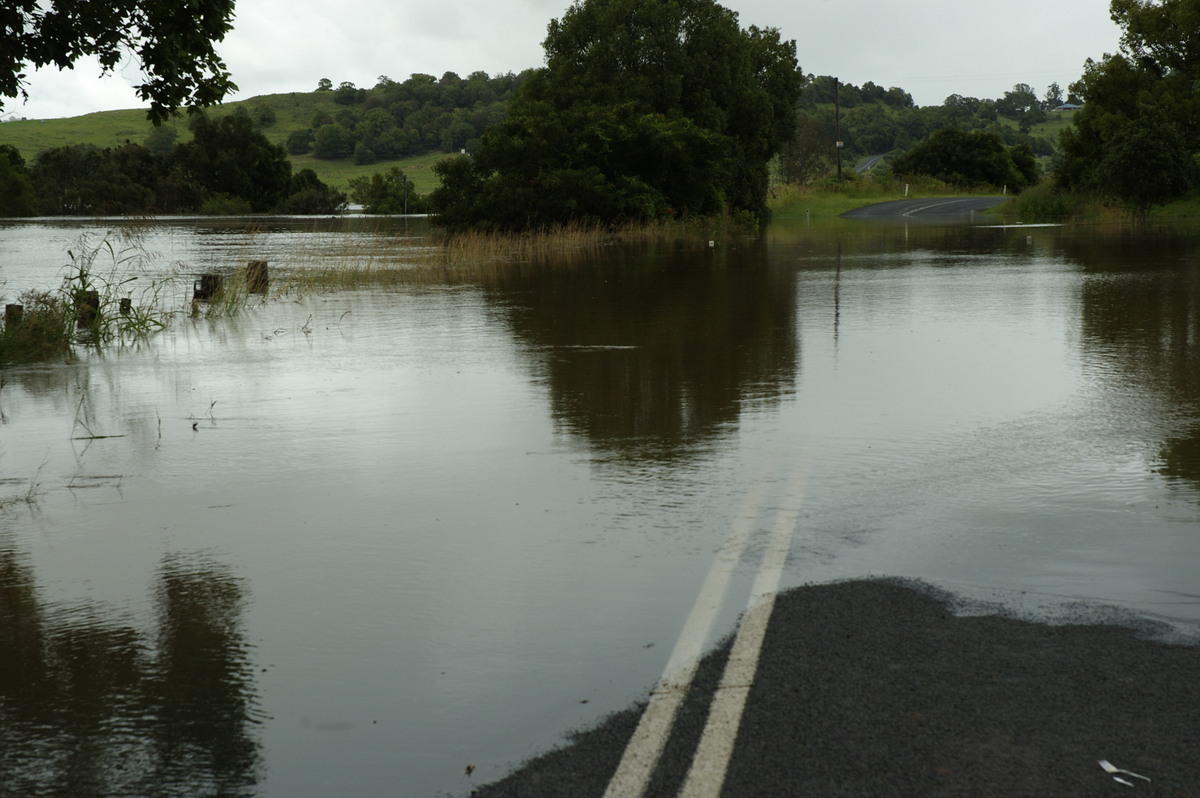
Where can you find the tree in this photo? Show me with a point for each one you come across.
(161, 139)
(83, 179)
(810, 153)
(347, 94)
(172, 43)
(324, 84)
(229, 157)
(644, 110)
(333, 141)
(1054, 97)
(16, 192)
(969, 158)
(308, 195)
(1146, 164)
(1140, 107)
(299, 142)
(386, 192)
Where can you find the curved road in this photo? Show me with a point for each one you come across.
(927, 209)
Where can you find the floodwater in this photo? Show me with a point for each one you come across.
(353, 542)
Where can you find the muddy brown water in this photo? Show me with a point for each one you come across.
(355, 541)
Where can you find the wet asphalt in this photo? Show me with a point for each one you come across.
(929, 209)
(879, 688)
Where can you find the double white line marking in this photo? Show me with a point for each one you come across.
(712, 756)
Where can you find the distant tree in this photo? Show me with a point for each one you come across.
(333, 141)
(324, 84)
(308, 195)
(898, 98)
(173, 44)
(263, 115)
(1054, 96)
(644, 110)
(13, 156)
(347, 94)
(299, 142)
(363, 155)
(389, 191)
(810, 153)
(161, 139)
(83, 179)
(229, 157)
(16, 192)
(968, 158)
(1020, 100)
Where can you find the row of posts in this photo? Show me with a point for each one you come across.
(87, 303)
(209, 285)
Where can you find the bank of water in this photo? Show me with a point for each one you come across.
(356, 541)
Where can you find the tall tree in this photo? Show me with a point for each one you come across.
(172, 42)
(1141, 110)
(644, 110)
(228, 156)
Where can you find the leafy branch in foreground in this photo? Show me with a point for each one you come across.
(173, 44)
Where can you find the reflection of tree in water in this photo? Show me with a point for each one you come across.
(655, 348)
(1141, 308)
(89, 706)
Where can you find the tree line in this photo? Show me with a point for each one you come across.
(227, 167)
(644, 111)
(878, 121)
(401, 119)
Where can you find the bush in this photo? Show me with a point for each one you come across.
(44, 332)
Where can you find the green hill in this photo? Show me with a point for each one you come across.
(291, 112)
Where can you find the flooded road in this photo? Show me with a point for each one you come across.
(355, 541)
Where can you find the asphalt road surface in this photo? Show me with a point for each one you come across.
(928, 209)
(877, 688)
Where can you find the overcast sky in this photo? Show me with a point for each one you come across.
(930, 48)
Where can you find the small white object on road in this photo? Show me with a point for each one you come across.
(1112, 770)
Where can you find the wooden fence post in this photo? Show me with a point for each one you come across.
(206, 287)
(87, 308)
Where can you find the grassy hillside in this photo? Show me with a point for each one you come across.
(293, 111)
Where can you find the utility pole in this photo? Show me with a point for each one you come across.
(837, 124)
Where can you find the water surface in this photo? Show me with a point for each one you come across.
(355, 541)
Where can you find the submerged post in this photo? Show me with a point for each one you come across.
(13, 315)
(257, 278)
(87, 308)
(126, 305)
(206, 287)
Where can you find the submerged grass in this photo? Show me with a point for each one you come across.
(478, 257)
(108, 296)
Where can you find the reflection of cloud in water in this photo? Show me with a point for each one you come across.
(90, 706)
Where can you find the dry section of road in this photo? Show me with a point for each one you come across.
(930, 209)
(877, 688)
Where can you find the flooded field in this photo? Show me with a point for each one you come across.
(352, 541)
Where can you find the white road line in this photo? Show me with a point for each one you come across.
(646, 745)
(707, 774)
(920, 208)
